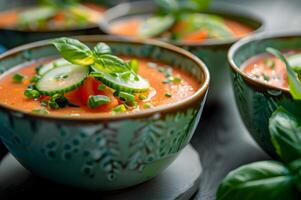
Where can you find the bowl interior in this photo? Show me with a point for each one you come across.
(146, 8)
(158, 51)
(253, 46)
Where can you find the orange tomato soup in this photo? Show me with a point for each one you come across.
(267, 69)
(12, 93)
(131, 25)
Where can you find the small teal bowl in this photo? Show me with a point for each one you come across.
(256, 100)
(97, 152)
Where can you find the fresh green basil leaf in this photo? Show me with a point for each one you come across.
(285, 130)
(291, 106)
(294, 83)
(156, 25)
(111, 64)
(102, 48)
(265, 180)
(74, 51)
(295, 168)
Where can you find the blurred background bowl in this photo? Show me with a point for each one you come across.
(212, 52)
(256, 100)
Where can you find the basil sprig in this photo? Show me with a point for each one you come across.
(271, 180)
(101, 57)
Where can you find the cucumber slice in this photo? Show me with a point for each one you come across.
(49, 66)
(62, 79)
(117, 82)
(156, 25)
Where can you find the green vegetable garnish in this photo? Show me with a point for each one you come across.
(142, 97)
(35, 78)
(32, 93)
(58, 101)
(168, 95)
(101, 87)
(41, 111)
(119, 109)
(18, 78)
(98, 100)
(147, 105)
(126, 96)
(269, 63)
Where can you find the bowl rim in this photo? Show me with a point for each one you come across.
(219, 10)
(91, 26)
(258, 37)
(200, 93)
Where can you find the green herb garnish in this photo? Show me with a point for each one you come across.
(101, 87)
(126, 96)
(98, 100)
(35, 78)
(269, 63)
(18, 78)
(41, 111)
(31, 93)
(142, 97)
(58, 101)
(119, 109)
(168, 95)
(147, 105)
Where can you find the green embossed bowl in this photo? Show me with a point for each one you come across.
(104, 153)
(212, 52)
(12, 37)
(255, 100)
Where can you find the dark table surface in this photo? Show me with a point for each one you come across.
(221, 138)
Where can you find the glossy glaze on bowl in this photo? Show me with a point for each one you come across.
(257, 100)
(212, 52)
(110, 152)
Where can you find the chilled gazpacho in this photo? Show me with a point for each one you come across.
(188, 28)
(86, 82)
(52, 15)
(271, 70)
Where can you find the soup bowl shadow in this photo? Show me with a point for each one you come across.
(212, 52)
(104, 152)
(12, 37)
(256, 100)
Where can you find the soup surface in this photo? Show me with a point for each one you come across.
(271, 70)
(48, 18)
(168, 85)
(189, 29)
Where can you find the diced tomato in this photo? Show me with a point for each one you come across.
(90, 88)
(197, 36)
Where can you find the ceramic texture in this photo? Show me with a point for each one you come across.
(213, 53)
(256, 101)
(104, 153)
(11, 38)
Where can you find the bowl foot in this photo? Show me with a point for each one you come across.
(180, 180)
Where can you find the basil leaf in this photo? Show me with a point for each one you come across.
(111, 64)
(294, 83)
(265, 180)
(102, 48)
(295, 168)
(133, 65)
(285, 130)
(74, 51)
(156, 25)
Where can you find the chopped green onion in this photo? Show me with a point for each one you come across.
(98, 100)
(177, 80)
(266, 77)
(40, 111)
(142, 97)
(168, 95)
(147, 105)
(119, 109)
(18, 78)
(126, 96)
(101, 87)
(35, 79)
(269, 63)
(31, 93)
(58, 101)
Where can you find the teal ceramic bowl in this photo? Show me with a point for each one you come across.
(11, 37)
(212, 52)
(104, 153)
(255, 100)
